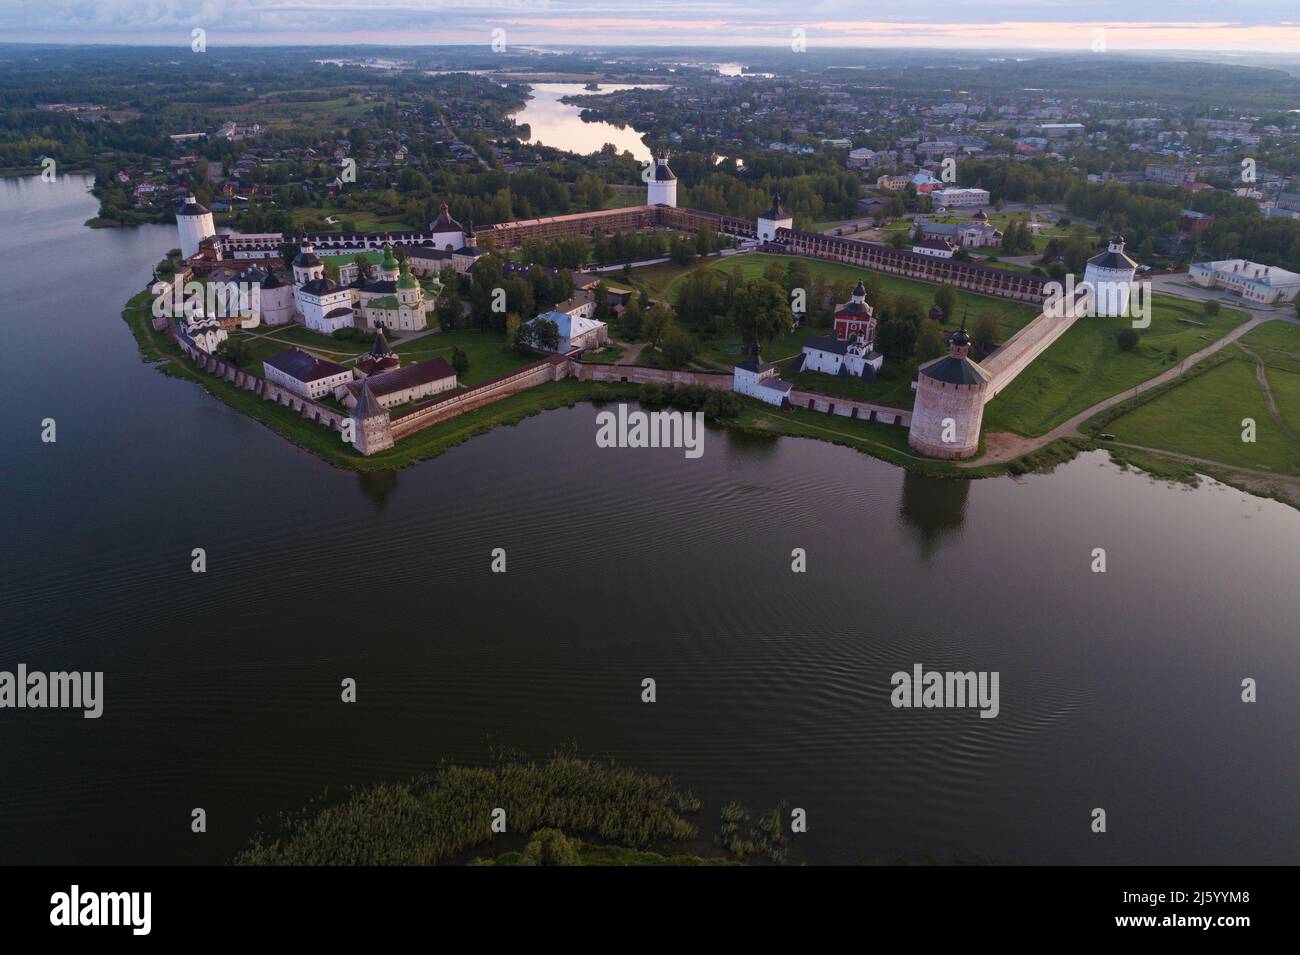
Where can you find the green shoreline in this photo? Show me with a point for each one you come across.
(884, 442)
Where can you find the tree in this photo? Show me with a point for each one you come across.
(1127, 340)
(985, 329)
(896, 339)
(1211, 308)
(678, 348)
(761, 311)
(540, 334)
(655, 324)
(929, 341)
(945, 296)
(237, 351)
(459, 360)
(601, 298)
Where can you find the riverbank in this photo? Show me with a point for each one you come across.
(883, 441)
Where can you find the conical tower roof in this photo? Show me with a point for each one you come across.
(368, 405)
(380, 347)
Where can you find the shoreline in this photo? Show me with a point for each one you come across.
(887, 443)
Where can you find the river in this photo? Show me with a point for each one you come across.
(560, 126)
(222, 690)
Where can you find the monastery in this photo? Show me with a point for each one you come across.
(399, 295)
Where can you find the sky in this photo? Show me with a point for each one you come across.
(1225, 25)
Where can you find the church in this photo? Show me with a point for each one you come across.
(851, 349)
(391, 297)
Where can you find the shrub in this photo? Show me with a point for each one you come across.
(552, 847)
(600, 392)
(689, 397)
(721, 404)
(1127, 340)
(652, 393)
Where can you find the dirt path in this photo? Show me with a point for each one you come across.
(631, 352)
(1001, 447)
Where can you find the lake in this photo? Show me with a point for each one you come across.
(1118, 690)
(560, 126)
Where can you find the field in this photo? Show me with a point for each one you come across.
(1086, 364)
(1205, 416)
(488, 355)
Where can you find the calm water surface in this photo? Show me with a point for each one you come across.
(560, 126)
(222, 690)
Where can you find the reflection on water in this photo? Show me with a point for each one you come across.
(933, 507)
(377, 486)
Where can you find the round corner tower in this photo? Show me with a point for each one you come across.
(661, 187)
(949, 409)
(1110, 276)
(194, 223)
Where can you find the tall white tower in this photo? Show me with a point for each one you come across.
(773, 219)
(1110, 276)
(194, 223)
(661, 186)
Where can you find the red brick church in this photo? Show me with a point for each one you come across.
(855, 317)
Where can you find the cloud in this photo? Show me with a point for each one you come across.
(1264, 25)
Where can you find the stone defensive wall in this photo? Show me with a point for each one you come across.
(323, 415)
(1003, 283)
(850, 408)
(810, 400)
(1020, 350)
(640, 374)
(254, 248)
(551, 368)
(504, 236)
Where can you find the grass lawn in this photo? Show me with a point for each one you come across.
(363, 220)
(1203, 418)
(1085, 365)
(1277, 344)
(1286, 392)
(269, 339)
(893, 390)
(1015, 315)
(654, 280)
(488, 355)
(608, 355)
